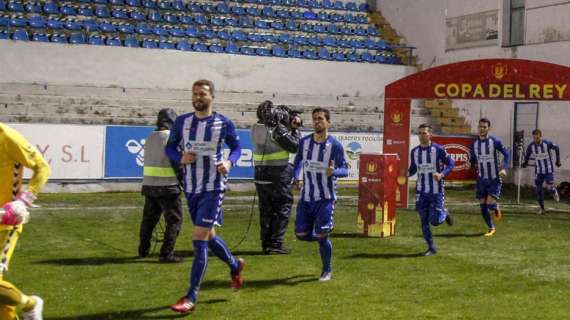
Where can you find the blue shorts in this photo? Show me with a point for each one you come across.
(315, 216)
(541, 178)
(431, 207)
(206, 208)
(488, 187)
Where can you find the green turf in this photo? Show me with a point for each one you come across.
(80, 259)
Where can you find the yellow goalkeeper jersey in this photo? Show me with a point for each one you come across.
(15, 154)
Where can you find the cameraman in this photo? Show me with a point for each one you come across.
(274, 136)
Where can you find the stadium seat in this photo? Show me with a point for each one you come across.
(85, 11)
(231, 48)
(149, 4)
(264, 52)
(51, 8)
(120, 14)
(183, 46)
(160, 31)
(327, 4)
(18, 22)
(372, 31)
(3, 8)
(185, 19)
(200, 47)
(102, 12)
(268, 12)
(238, 35)
(4, 35)
(315, 41)
(58, 38)
(351, 6)
(201, 20)
(222, 8)
(178, 5)
(297, 14)
(291, 25)
(103, 2)
(353, 57)
(133, 3)
(107, 27)
(164, 5)
(154, 16)
(319, 28)
(33, 7)
(143, 29)
(217, 21)
(261, 24)
(270, 38)
(332, 28)
(73, 25)
(367, 57)
(283, 14)
(305, 27)
(329, 41)
(149, 44)
(131, 42)
(301, 41)
(277, 25)
(361, 19)
(339, 5)
(76, 38)
(54, 24)
(40, 37)
(363, 7)
(323, 16)
(254, 37)
(126, 28)
(347, 30)
(278, 52)
(294, 53)
(177, 32)
(324, 54)
(247, 51)
(113, 42)
(166, 45)
(309, 54)
(5, 22)
(339, 56)
(16, 6)
(117, 2)
(138, 16)
(349, 18)
(95, 40)
(209, 34)
(208, 8)
(285, 38)
(68, 10)
(245, 22)
(231, 22)
(216, 48)
(336, 17)
(194, 7)
(90, 25)
(309, 15)
(252, 11)
(192, 32)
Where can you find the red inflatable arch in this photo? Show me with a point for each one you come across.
(488, 79)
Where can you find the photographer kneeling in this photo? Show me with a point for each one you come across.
(274, 137)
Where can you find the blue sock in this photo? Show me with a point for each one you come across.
(199, 266)
(486, 215)
(492, 207)
(221, 250)
(325, 249)
(540, 197)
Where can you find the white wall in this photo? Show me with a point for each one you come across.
(27, 62)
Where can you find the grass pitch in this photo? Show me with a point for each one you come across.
(78, 253)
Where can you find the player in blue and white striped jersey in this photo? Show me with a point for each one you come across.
(196, 141)
(485, 158)
(320, 159)
(540, 149)
(432, 164)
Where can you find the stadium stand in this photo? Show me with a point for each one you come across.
(305, 29)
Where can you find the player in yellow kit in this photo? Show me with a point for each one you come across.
(15, 154)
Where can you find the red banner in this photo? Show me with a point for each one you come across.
(458, 148)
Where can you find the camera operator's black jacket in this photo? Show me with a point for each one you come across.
(272, 149)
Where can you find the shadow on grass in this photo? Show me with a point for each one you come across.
(348, 235)
(262, 284)
(134, 314)
(384, 255)
(458, 235)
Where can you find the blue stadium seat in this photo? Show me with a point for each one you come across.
(335, 17)
(18, 22)
(200, 47)
(143, 29)
(338, 56)
(126, 28)
(166, 45)
(333, 28)
(309, 54)
(369, 44)
(353, 57)
(16, 7)
(283, 14)
(309, 15)
(224, 35)
(185, 19)
(363, 7)
(85, 11)
(165, 5)
(314, 4)
(170, 18)
(177, 32)
(360, 32)
(277, 25)
(380, 58)
(237, 10)
(216, 21)
(357, 44)
(76, 38)
(5, 22)
(245, 22)
(33, 7)
(201, 20)
(351, 6)
(117, 2)
(231, 48)
(290, 3)
(372, 31)
(150, 4)
(300, 40)
(270, 38)
(305, 27)
(328, 4)
(382, 45)
(40, 37)
(315, 41)
(194, 7)
(254, 37)
(247, 51)
(231, 22)
(68, 10)
(149, 44)
(73, 25)
(3, 8)
(367, 57)
(160, 31)
(264, 52)
(323, 16)
(4, 35)
(324, 54)
(361, 19)
(54, 24)
(261, 24)
(268, 12)
(294, 53)
(278, 51)
(222, 8)
(102, 12)
(179, 5)
(238, 35)
(291, 25)
(209, 34)
(90, 25)
(120, 14)
(275, 2)
(252, 11)
(154, 16)
(216, 48)
(303, 3)
(107, 27)
(319, 28)
(339, 5)
(329, 41)
(349, 18)
(297, 14)
(183, 46)
(208, 8)
(58, 38)
(133, 3)
(131, 42)
(192, 32)
(103, 2)
(138, 16)
(285, 38)
(84, 1)
(113, 42)
(51, 8)
(346, 30)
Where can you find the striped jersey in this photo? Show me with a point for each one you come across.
(206, 138)
(541, 154)
(425, 161)
(312, 160)
(485, 157)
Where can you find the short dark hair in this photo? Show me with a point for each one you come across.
(485, 120)
(323, 110)
(204, 82)
(537, 131)
(425, 125)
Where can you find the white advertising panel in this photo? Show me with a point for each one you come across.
(72, 151)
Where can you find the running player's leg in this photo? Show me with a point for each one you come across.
(324, 225)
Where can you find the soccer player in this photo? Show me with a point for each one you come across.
(321, 159)
(196, 141)
(15, 154)
(432, 165)
(485, 157)
(540, 149)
